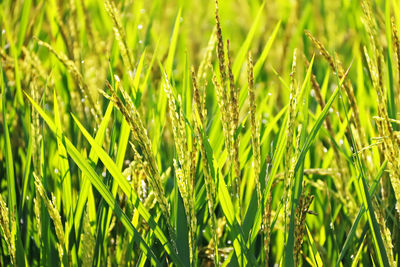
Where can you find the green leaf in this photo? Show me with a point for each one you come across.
(105, 193)
(362, 187)
(361, 212)
(24, 19)
(316, 257)
(86, 186)
(173, 43)
(9, 162)
(260, 63)
(11, 186)
(289, 260)
(241, 56)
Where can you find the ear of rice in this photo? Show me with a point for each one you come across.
(54, 215)
(209, 183)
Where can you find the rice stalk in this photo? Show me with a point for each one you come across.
(267, 228)
(396, 42)
(61, 27)
(35, 67)
(300, 223)
(54, 215)
(88, 242)
(73, 32)
(227, 96)
(35, 127)
(8, 228)
(73, 69)
(142, 141)
(7, 62)
(385, 128)
(266, 217)
(120, 35)
(340, 164)
(336, 66)
(136, 173)
(234, 125)
(220, 48)
(30, 64)
(255, 131)
(184, 172)
(224, 98)
(221, 223)
(36, 159)
(36, 210)
(208, 179)
(391, 143)
(289, 159)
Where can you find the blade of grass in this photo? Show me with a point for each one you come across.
(106, 194)
(243, 51)
(126, 188)
(23, 24)
(282, 137)
(11, 186)
(9, 162)
(289, 260)
(361, 212)
(172, 46)
(316, 257)
(363, 188)
(14, 54)
(86, 186)
(65, 181)
(260, 63)
(27, 169)
(390, 80)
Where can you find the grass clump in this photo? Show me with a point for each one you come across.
(161, 145)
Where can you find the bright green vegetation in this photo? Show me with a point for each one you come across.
(199, 133)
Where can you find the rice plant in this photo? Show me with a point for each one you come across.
(199, 133)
